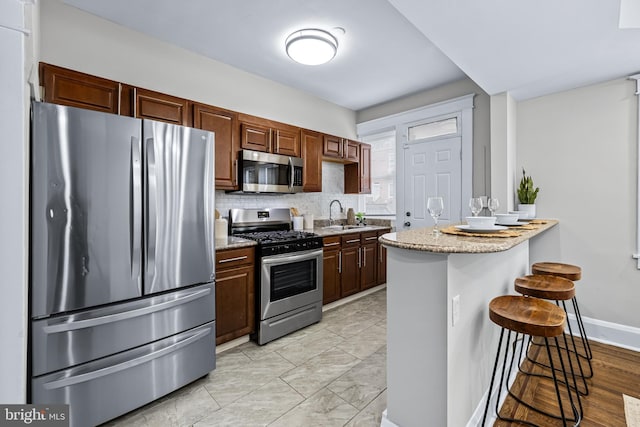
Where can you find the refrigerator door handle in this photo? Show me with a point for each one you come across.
(152, 208)
(136, 208)
(116, 317)
(98, 373)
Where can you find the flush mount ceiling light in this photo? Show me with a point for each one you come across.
(311, 46)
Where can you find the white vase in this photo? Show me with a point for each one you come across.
(529, 209)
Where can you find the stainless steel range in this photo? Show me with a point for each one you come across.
(288, 273)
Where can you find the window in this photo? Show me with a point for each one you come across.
(432, 129)
(382, 200)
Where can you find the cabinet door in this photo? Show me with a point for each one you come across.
(352, 151)
(225, 125)
(351, 261)
(369, 260)
(364, 167)
(255, 137)
(234, 303)
(158, 106)
(331, 274)
(286, 141)
(382, 260)
(68, 87)
(332, 146)
(312, 156)
(357, 176)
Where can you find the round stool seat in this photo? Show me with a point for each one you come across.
(568, 271)
(546, 287)
(531, 316)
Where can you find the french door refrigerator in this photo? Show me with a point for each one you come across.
(122, 296)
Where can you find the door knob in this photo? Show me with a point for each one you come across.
(408, 214)
(407, 224)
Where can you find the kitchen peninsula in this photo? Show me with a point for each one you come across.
(440, 341)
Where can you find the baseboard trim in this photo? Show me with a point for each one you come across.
(608, 333)
(231, 344)
(386, 422)
(351, 298)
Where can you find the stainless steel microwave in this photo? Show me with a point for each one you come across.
(270, 173)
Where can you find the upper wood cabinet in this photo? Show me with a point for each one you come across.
(227, 141)
(357, 176)
(338, 149)
(159, 106)
(265, 135)
(75, 89)
(333, 147)
(312, 156)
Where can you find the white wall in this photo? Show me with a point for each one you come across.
(503, 151)
(75, 39)
(14, 214)
(481, 115)
(580, 148)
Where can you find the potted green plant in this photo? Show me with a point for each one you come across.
(360, 218)
(527, 194)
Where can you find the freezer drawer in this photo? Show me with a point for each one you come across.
(107, 388)
(65, 341)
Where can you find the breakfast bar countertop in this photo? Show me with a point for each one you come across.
(423, 239)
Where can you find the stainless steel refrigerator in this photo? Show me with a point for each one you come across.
(122, 295)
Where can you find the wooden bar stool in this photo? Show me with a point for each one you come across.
(560, 290)
(538, 318)
(573, 273)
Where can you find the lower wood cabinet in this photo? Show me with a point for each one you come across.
(235, 293)
(352, 263)
(331, 269)
(382, 259)
(369, 260)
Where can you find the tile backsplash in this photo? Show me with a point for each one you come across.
(307, 203)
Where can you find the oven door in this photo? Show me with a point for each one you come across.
(289, 281)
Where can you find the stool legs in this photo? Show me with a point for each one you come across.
(571, 350)
(577, 414)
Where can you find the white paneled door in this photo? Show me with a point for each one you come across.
(432, 168)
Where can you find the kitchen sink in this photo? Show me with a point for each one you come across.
(343, 227)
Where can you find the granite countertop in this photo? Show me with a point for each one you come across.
(422, 239)
(233, 243)
(321, 231)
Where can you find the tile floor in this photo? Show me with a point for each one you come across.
(332, 373)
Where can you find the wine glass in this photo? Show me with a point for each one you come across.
(493, 205)
(435, 206)
(475, 204)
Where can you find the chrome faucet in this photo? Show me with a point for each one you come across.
(330, 206)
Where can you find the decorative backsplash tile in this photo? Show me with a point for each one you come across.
(316, 204)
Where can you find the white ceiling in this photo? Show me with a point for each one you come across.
(529, 48)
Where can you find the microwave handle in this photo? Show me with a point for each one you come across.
(291, 174)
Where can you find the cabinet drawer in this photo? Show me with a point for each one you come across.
(230, 258)
(331, 242)
(351, 240)
(369, 237)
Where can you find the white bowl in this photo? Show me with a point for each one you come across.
(481, 221)
(521, 214)
(507, 219)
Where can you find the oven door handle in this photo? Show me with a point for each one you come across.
(292, 257)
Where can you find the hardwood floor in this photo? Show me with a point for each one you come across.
(615, 371)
